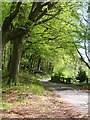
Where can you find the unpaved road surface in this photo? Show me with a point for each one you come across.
(70, 95)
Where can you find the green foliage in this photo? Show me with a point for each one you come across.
(60, 74)
(83, 84)
(5, 9)
(25, 79)
(81, 75)
(48, 46)
(66, 65)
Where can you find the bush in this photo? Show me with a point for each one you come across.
(81, 75)
(56, 77)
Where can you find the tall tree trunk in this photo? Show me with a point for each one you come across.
(31, 62)
(8, 66)
(4, 57)
(50, 67)
(38, 65)
(15, 60)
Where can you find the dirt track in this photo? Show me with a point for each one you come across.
(79, 99)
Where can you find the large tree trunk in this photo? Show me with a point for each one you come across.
(15, 60)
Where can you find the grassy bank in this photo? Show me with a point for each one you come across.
(26, 84)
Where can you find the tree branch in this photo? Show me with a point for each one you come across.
(82, 57)
(43, 21)
(34, 13)
(10, 18)
(86, 50)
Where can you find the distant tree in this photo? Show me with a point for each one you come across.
(81, 75)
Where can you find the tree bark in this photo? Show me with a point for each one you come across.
(15, 60)
(7, 23)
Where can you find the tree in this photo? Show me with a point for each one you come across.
(17, 33)
(84, 37)
(81, 75)
(23, 19)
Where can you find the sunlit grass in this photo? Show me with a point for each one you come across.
(31, 88)
(21, 92)
(26, 84)
(37, 89)
(23, 89)
(7, 105)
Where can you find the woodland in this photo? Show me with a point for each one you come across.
(44, 39)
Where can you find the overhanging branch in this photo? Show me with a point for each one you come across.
(82, 57)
